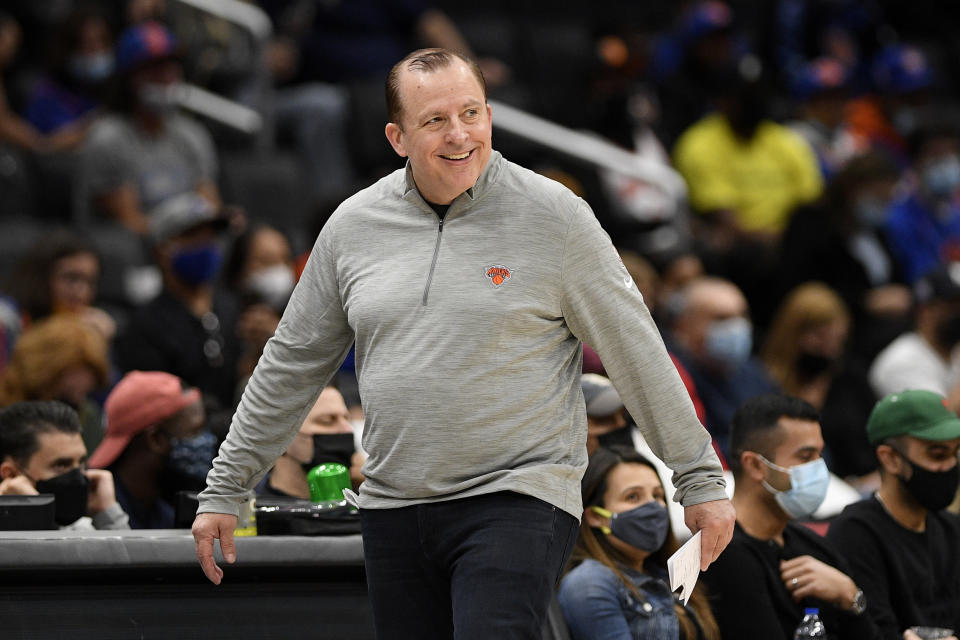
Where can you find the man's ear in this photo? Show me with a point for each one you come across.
(8, 469)
(395, 137)
(889, 459)
(753, 466)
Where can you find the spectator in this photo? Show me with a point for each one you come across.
(902, 78)
(60, 274)
(712, 337)
(605, 410)
(687, 62)
(901, 543)
(145, 152)
(838, 240)
(722, 155)
(822, 87)
(189, 329)
(774, 567)
(260, 271)
(618, 587)
(923, 228)
(806, 353)
(148, 412)
(41, 451)
(14, 130)
(924, 358)
(61, 358)
(81, 65)
(326, 436)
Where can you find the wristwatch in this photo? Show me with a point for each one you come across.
(859, 603)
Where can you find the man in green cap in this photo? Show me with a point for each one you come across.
(902, 545)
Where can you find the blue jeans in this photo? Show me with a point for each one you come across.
(479, 567)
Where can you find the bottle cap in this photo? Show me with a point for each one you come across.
(811, 611)
(327, 481)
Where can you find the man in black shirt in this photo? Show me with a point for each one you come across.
(773, 567)
(901, 544)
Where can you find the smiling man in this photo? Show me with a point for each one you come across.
(467, 283)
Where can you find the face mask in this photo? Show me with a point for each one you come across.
(91, 69)
(197, 266)
(808, 487)
(948, 331)
(160, 99)
(933, 490)
(730, 341)
(71, 491)
(871, 212)
(331, 447)
(942, 178)
(644, 527)
(810, 365)
(905, 121)
(272, 284)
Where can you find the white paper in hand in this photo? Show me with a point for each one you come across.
(684, 567)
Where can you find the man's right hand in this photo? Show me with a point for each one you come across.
(209, 527)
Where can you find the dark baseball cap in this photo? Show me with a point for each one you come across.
(918, 413)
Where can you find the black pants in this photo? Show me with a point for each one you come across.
(480, 567)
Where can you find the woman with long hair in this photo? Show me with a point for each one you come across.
(617, 587)
(807, 352)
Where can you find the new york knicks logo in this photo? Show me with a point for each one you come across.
(497, 274)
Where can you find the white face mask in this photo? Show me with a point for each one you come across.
(273, 284)
(161, 99)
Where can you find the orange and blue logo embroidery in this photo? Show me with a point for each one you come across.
(497, 274)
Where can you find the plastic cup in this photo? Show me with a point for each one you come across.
(327, 482)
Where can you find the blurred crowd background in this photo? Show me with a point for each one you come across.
(164, 171)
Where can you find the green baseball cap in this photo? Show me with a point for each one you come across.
(921, 414)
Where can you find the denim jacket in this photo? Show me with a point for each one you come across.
(598, 606)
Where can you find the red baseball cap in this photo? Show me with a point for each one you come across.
(141, 399)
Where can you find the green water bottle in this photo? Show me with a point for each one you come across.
(327, 482)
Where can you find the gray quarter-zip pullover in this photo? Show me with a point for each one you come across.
(468, 353)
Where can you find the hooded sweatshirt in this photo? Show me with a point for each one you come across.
(468, 349)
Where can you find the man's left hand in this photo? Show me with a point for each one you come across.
(715, 519)
(102, 493)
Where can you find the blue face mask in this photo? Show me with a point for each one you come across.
(199, 265)
(942, 178)
(730, 341)
(644, 527)
(808, 487)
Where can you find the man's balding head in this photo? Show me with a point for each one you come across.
(702, 302)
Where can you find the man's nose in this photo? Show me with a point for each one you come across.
(457, 132)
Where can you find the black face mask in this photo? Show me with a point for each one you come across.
(948, 331)
(331, 447)
(71, 491)
(621, 436)
(933, 490)
(811, 365)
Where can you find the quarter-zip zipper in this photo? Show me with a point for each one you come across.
(433, 263)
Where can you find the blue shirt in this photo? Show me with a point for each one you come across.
(919, 238)
(597, 605)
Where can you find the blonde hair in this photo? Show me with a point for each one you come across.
(808, 306)
(45, 351)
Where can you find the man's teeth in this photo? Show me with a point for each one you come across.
(459, 156)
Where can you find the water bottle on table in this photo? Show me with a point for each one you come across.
(811, 626)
